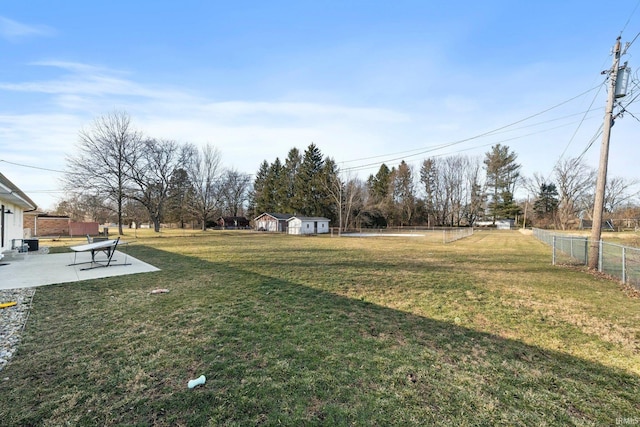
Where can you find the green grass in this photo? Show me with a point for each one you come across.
(330, 331)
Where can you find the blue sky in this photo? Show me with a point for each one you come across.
(366, 81)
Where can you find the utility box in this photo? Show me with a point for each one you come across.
(34, 244)
(25, 245)
(622, 81)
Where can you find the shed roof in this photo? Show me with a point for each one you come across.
(274, 215)
(11, 193)
(309, 218)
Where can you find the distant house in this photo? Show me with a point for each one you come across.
(500, 224)
(275, 222)
(13, 204)
(308, 225)
(233, 222)
(505, 224)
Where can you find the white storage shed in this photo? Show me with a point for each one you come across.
(308, 225)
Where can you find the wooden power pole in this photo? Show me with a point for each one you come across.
(598, 205)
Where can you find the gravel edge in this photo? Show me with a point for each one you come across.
(13, 320)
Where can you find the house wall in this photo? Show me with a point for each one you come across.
(269, 224)
(12, 225)
(298, 226)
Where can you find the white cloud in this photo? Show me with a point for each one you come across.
(246, 131)
(13, 30)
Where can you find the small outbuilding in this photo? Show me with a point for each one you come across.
(274, 222)
(308, 225)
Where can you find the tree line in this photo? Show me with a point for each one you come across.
(117, 173)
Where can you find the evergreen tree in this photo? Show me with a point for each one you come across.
(272, 189)
(380, 183)
(546, 205)
(292, 166)
(404, 194)
(381, 207)
(502, 173)
(307, 199)
(258, 200)
(429, 178)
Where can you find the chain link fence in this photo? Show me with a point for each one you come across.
(451, 235)
(622, 262)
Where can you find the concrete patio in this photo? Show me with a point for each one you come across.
(35, 269)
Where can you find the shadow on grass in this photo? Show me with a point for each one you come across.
(106, 352)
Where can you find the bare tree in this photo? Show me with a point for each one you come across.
(575, 182)
(618, 192)
(452, 190)
(101, 162)
(150, 174)
(234, 191)
(474, 203)
(204, 173)
(353, 200)
(83, 208)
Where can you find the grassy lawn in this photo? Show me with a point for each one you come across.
(330, 331)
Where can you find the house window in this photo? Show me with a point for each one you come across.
(307, 225)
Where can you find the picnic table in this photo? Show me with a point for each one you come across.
(108, 247)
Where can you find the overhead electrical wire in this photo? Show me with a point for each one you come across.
(624, 27)
(30, 166)
(424, 150)
(579, 125)
(372, 165)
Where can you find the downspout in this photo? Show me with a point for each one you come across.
(2, 226)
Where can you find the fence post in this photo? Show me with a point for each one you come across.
(571, 239)
(624, 265)
(600, 256)
(553, 257)
(586, 251)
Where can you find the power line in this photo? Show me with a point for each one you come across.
(629, 19)
(576, 132)
(30, 166)
(372, 165)
(424, 150)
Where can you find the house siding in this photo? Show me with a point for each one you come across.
(12, 226)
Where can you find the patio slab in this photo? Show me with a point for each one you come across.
(31, 270)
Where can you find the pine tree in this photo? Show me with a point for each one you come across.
(380, 189)
(307, 199)
(404, 194)
(292, 166)
(546, 205)
(259, 197)
(502, 174)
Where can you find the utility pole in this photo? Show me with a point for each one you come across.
(598, 205)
